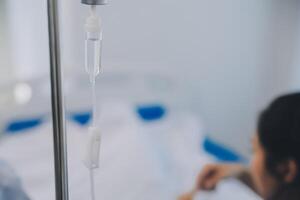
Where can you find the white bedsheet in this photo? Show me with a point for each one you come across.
(139, 160)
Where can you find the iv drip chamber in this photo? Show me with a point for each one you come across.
(93, 42)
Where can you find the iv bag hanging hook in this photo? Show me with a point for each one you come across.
(94, 2)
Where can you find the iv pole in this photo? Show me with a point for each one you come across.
(58, 116)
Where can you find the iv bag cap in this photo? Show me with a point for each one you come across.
(95, 2)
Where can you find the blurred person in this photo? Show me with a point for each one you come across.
(274, 172)
(10, 184)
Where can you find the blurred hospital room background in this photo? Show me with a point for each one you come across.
(181, 84)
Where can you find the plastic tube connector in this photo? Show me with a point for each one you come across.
(93, 23)
(91, 156)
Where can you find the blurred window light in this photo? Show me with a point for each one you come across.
(22, 93)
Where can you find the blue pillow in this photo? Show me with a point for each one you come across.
(16, 126)
(82, 118)
(151, 112)
(221, 152)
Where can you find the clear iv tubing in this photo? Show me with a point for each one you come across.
(92, 66)
(93, 194)
(94, 121)
(94, 102)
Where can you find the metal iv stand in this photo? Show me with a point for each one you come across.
(57, 100)
(58, 115)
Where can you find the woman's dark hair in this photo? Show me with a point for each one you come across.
(279, 133)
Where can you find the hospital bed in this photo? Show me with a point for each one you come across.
(150, 149)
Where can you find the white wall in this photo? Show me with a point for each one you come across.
(231, 56)
(282, 54)
(264, 65)
(28, 38)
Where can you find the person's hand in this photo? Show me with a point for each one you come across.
(212, 174)
(188, 196)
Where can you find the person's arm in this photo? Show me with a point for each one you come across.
(212, 174)
(245, 177)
